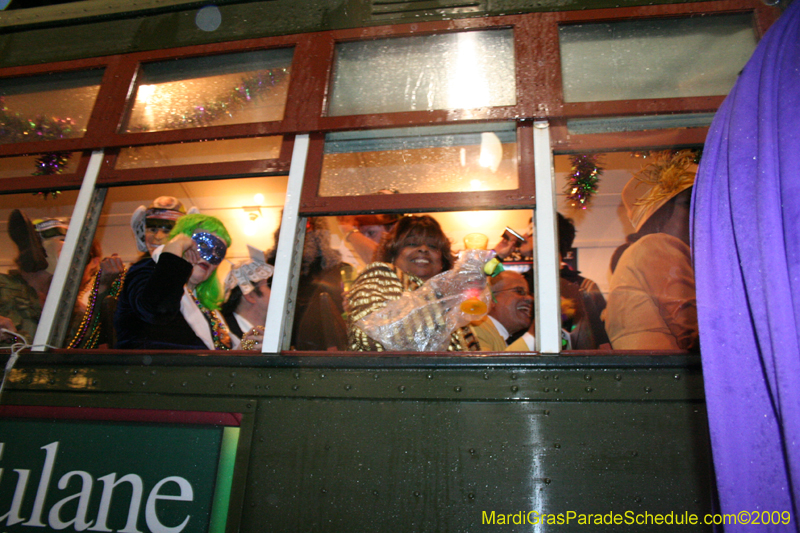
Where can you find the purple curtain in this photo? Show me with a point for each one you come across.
(746, 245)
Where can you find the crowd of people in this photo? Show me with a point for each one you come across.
(399, 272)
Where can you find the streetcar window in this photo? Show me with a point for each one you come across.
(200, 153)
(32, 230)
(420, 160)
(211, 91)
(39, 164)
(626, 274)
(638, 59)
(136, 220)
(463, 70)
(47, 107)
(338, 249)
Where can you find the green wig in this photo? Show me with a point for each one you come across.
(209, 292)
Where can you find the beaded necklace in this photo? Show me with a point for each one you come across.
(219, 331)
(88, 334)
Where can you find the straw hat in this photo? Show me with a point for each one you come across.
(666, 175)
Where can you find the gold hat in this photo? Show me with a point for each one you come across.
(660, 180)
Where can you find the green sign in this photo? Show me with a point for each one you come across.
(114, 476)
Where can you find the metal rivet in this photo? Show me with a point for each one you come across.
(485, 375)
(417, 494)
(231, 385)
(513, 376)
(457, 389)
(556, 445)
(547, 481)
(589, 389)
(648, 390)
(297, 375)
(184, 384)
(472, 451)
(545, 377)
(324, 491)
(677, 376)
(547, 389)
(322, 376)
(401, 388)
(295, 387)
(471, 496)
(130, 382)
(556, 389)
(634, 453)
(152, 372)
(233, 374)
(249, 405)
(375, 376)
(348, 387)
(514, 388)
(587, 377)
(637, 499)
(208, 373)
(429, 376)
(618, 377)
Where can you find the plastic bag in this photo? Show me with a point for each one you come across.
(423, 320)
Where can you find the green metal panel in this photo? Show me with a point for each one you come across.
(423, 444)
(370, 465)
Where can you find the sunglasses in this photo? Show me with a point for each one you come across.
(210, 247)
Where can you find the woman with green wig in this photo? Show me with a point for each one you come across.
(171, 300)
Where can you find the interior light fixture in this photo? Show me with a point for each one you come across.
(252, 214)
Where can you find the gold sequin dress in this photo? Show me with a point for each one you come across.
(380, 283)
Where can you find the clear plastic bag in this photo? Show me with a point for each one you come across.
(423, 320)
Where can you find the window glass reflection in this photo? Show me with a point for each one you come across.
(211, 91)
(48, 107)
(462, 70)
(625, 256)
(40, 164)
(32, 230)
(198, 153)
(420, 160)
(656, 58)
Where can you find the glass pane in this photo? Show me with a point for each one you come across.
(655, 58)
(420, 160)
(451, 71)
(49, 107)
(28, 255)
(338, 249)
(198, 153)
(627, 280)
(211, 91)
(39, 165)
(583, 126)
(133, 223)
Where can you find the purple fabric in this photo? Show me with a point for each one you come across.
(746, 245)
